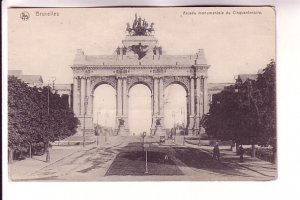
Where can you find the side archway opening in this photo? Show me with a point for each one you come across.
(175, 109)
(104, 107)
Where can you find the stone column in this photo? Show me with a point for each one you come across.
(156, 97)
(205, 96)
(82, 94)
(88, 94)
(125, 96)
(89, 117)
(69, 99)
(188, 105)
(91, 102)
(161, 100)
(152, 102)
(192, 106)
(201, 97)
(122, 129)
(192, 86)
(198, 115)
(76, 96)
(125, 103)
(119, 97)
(155, 105)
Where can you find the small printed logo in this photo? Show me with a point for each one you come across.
(24, 16)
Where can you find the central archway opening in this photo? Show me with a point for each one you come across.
(104, 108)
(175, 109)
(139, 112)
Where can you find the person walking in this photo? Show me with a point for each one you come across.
(216, 152)
(241, 152)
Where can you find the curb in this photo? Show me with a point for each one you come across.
(208, 152)
(70, 155)
(59, 160)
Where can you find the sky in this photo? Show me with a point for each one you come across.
(233, 44)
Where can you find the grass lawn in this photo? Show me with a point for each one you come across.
(133, 163)
(197, 159)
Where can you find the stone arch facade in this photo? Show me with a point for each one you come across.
(140, 59)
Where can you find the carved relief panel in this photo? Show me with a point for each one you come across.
(182, 80)
(110, 80)
(147, 80)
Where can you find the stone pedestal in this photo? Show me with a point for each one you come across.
(124, 122)
(122, 130)
(191, 126)
(158, 131)
(148, 40)
(122, 125)
(157, 126)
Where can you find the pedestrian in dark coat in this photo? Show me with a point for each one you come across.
(216, 152)
(241, 152)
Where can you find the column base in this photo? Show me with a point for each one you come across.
(197, 125)
(157, 127)
(197, 122)
(122, 130)
(191, 126)
(124, 120)
(158, 131)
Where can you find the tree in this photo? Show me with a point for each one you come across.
(29, 121)
(223, 119)
(21, 111)
(266, 85)
(245, 112)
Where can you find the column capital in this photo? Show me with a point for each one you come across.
(191, 77)
(121, 77)
(156, 77)
(82, 77)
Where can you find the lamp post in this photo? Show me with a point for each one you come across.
(173, 114)
(84, 113)
(52, 78)
(106, 115)
(98, 128)
(48, 111)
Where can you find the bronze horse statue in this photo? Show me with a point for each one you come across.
(129, 29)
(139, 28)
(150, 30)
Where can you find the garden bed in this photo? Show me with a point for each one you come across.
(263, 153)
(133, 163)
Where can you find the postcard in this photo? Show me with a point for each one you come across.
(142, 94)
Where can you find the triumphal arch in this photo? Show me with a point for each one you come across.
(140, 60)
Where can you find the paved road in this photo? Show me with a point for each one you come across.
(195, 164)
